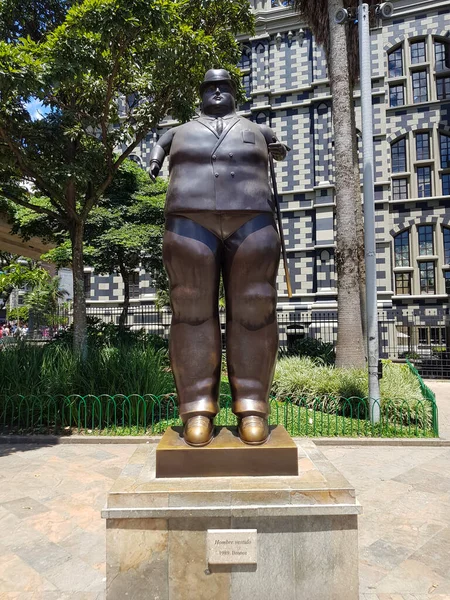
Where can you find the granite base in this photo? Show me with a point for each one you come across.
(307, 542)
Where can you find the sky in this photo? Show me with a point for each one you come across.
(36, 109)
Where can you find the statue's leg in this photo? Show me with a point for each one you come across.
(251, 258)
(192, 257)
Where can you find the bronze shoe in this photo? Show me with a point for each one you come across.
(253, 430)
(198, 431)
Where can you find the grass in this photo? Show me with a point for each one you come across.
(54, 370)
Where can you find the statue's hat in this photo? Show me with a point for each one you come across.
(214, 76)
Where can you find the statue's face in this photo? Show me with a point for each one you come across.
(218, 98)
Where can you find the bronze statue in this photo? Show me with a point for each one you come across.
(219, 221)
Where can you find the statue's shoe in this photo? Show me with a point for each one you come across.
(253, 430)
(198, 431)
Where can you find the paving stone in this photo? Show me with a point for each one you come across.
(24, 507)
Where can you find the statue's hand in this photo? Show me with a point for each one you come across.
(277, 150)
(154, 170)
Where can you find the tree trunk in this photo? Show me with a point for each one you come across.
(359, 232)
(126, 297)
(79, 299)
(350, 347)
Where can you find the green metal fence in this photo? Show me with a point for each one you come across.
(139, 415)
(429, 396)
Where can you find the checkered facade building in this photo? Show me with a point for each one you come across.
(285, 76)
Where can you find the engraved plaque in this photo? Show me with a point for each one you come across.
(231, 547)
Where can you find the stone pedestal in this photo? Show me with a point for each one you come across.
(157, 541)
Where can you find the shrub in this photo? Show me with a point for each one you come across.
(329, 389)
(101, 334)
(53, 369)
(322, 351)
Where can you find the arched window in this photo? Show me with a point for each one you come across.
(401, 249)
(246, 58)
(398, 156)
(395, 62)
(261, 118)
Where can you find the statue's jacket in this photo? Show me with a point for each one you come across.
(222, 173)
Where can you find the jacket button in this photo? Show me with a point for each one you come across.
(230, 155)
(232, 173)
(214, 157)
(216, 174)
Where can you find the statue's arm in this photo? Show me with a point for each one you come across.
(276, 148)
(159, 152)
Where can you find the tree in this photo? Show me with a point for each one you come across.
(122, 233)
(17, 272)
(341, 48)
(105, 74)
(44, 300)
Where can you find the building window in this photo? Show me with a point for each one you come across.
(447, 282)
(398, 154)
(446, 232)
(444, 144)
(402, 284)
(446, 184)
(399, 189)
(247, 84)
(426, 246)
(278, 3)
(87, 284)
(443, 88)
(396, 95)
(401, 249)
(395, 62)
(134, 284)
(424, 181)
(246, 58)
(422, 146)
(440, 55)
(419, 83)
(427, 278)
(418, 54)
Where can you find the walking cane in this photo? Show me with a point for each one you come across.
(280, 226)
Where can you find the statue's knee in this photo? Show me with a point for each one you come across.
(256, 309)
(191, 305)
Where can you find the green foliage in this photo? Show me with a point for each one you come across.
(20, 313)
(55, 369)
(19, 275)
(45, 297)
(313, 348)
(310, 382)
(105, 73)
(101, 334)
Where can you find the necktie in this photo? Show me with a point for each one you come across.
(219, 125)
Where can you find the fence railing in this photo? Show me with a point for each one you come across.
(422, 338)
(139, 415)
(428, 395)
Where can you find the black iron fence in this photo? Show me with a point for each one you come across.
(419, 335)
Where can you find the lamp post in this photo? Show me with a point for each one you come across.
(369, 211)
(383, 10)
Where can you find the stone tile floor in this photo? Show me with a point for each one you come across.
(52, 539)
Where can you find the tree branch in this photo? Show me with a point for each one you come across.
(25, 168)
(39, 209)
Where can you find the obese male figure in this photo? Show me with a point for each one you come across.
(219, 221)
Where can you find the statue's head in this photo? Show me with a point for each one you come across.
(218, 93)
